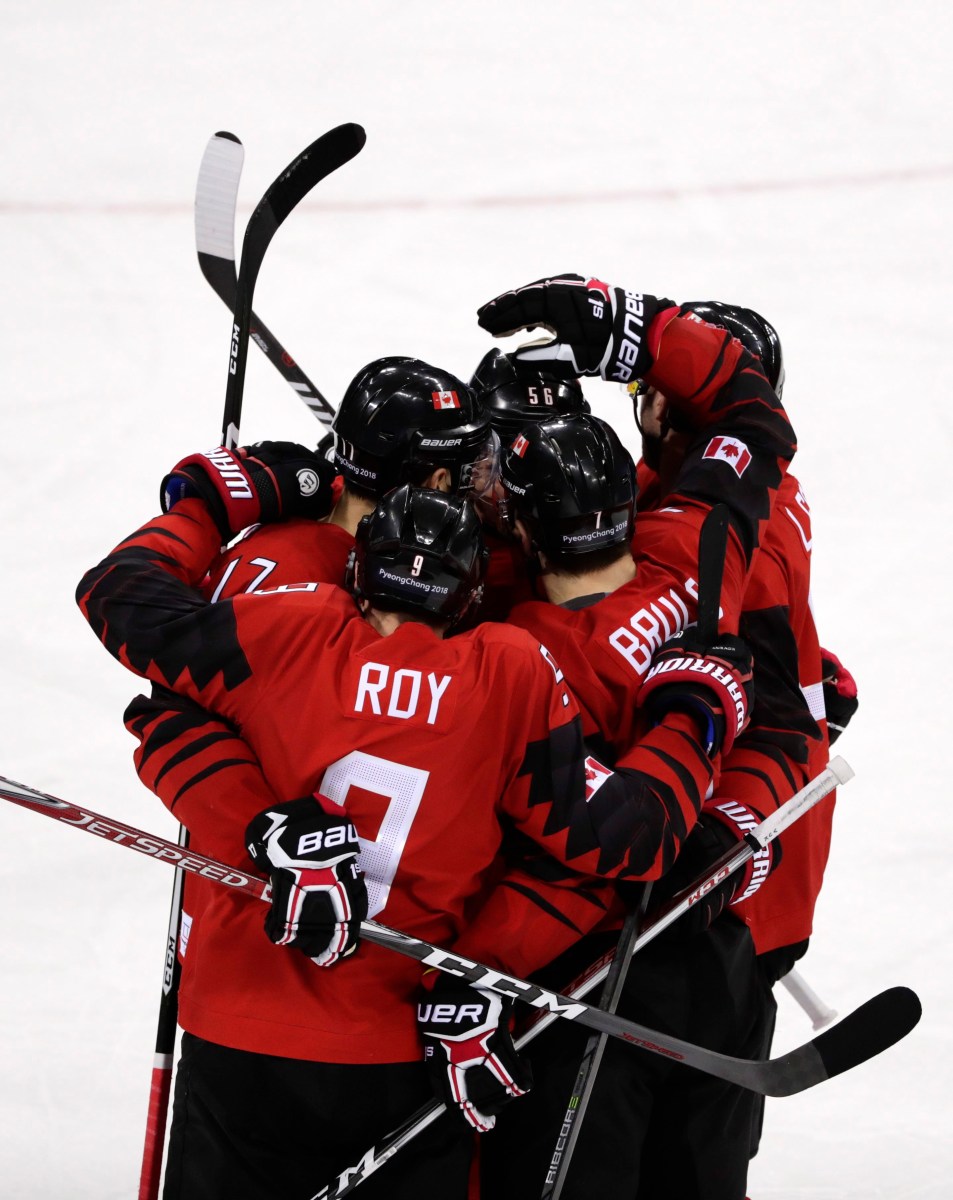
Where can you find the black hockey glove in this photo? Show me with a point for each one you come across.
(598, 329)
(712, 682)
(840, 694)
(269, 481)
(468, 1049)
(721, 826)
(318, 897)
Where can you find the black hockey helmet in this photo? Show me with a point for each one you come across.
(573, 484)
(419, 551)
(515, 393)
(751, 329)
(401, 418)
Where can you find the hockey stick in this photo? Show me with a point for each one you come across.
(218, 189)
(836, 773)
(216, 196)
(166, 1026)
(330, 151)
(712, 544)
(595, 1048)
(820, 1013)
(876, 1025)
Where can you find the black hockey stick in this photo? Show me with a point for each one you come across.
(218, 189)
(162, 1063)
(591, 1059)
(216, 196)
(877, 1024)
(837, 772)
(712, 544)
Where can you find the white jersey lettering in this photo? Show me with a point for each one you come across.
(403, 692)
(666, 616)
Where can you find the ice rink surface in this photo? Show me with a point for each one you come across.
(794, 158)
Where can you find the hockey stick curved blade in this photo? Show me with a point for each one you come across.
(875, 1026)
(216, 197)
(878, 1024)
(325, 154)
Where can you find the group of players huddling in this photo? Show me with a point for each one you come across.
(447, 678)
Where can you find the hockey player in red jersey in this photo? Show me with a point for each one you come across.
(567, 486)
(178, 781)
(422, 736)
(789, 738)
(401, 420)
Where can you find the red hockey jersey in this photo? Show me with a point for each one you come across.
(435, 745)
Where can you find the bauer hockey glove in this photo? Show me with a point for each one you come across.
(721, 826)
(840, 694)
(468, 1049)
(598, 329)
(269, 481)
(318, 897)
(712, 682)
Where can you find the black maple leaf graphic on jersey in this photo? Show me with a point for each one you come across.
(136, 609)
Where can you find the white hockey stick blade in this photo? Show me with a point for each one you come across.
(216, 196)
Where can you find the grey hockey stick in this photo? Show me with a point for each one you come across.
(712, 544)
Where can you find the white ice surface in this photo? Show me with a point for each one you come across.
(794, 157)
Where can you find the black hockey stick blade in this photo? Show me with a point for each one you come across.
(216, 197)
(877, 1025)
(328, 152)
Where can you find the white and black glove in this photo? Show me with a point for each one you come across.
(269, 481)
(598, 329)
(468, 1048)
(711, 681)
(318, 897)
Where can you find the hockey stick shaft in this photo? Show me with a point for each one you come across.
(774, 1077)
(877, 1024)
(592, 1055)
(313, 164)
(161, 1081)
(712, 544)
(837, 772)
(216, 198)
(820, 1013)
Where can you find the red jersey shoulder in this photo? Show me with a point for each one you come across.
(516, 659)
(314, 614)
(792, 516)
(781, 573)
(289, 552)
